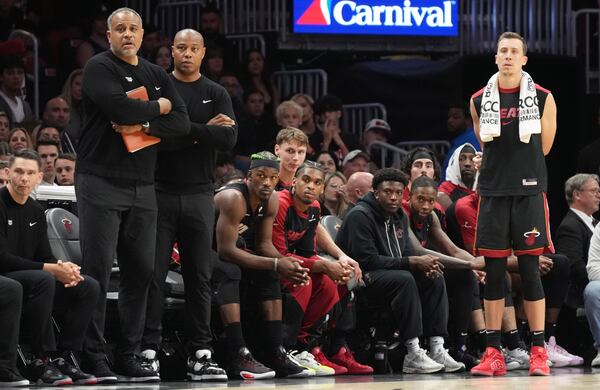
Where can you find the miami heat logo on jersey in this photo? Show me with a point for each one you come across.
(530, 236)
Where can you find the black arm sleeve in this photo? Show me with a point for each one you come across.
(43, 252)
(361, 245)
(176, 123)
(102, 87)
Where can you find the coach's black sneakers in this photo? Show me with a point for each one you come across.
(43, 372)
(11, 378)
(129, 369)
(201, 367)
(79, 377)
(100, 369)
(245, 366)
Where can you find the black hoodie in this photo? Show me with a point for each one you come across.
(375, 239)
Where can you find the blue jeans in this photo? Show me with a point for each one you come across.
(591, 299)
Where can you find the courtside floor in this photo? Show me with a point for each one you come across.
(561, 378)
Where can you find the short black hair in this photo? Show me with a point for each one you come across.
(11, 62)
(210, 8)
(312, 165)
(389, 174)
(412, 156)
(66, 156)
(47, 142)
(26, 154)
(423, 182)
(327, 103)
(461, 105)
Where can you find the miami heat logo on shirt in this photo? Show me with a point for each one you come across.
(68, 225)
(530, 236)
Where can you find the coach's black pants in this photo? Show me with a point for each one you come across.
(11, 299)
(117, 216)
(419, 304)
(460, 284)
(187, 220)
(43, 296)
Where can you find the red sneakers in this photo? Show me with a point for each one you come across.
(538, 361)
(345, 358)
(322, 359)
(491, 364)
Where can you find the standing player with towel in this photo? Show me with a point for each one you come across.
(515, 122)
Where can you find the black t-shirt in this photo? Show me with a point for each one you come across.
(106, 80)
(24, 241)
(186, 164)
(511, 167)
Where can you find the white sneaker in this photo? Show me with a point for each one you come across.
(150, 361)
(517, 359)
(420, 363)
(443, 358)
(305, 373)
(596, 361)
(574, 360)
(307, 360)
(557, 358)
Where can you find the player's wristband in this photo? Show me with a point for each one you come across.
(275, 260)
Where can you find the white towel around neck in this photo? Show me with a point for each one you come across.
(529, 117)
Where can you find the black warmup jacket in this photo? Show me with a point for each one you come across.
(374, 239)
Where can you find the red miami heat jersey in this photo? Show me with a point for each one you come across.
(511, 167)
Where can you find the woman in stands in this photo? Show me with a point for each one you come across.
(256, 77)
(332, 199)
(328, 160)
(71, 92)
(18, 139)
(161, 56)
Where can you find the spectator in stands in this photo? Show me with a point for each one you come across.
(234, 88)
(185, 206)
(290, 147)
(573, 235)
(460, 176)
(257, 128)
(97, 38)
(18, 139)
(376, 130)
(210, 27)
(460, 128)
(328, 114)
(308, 118)
(12, 85)
(47, 133)
(332, 200)
(65, 169)
(256, 77)
(4, 126)
(376, 232)
(83, 53)
(48, 151)
(57, 113)
(49, 285)
(3, 173)
(591, 293)
(249, 263)
(116, 198)
(153, 39)
(358, 185)
(288, 114)
(213, 64)
(161, 56)
(224, 164)
(71, 92)
(5, 151)
(11, 302)
(355, 161)
(297, 233)
(327, 160)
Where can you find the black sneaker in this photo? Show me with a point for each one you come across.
(100, 370)
(11, 378)
(150, 361)
(201, 367)
(245, 366)
(469, 360)
(79, 377)
(286, 367)
(41, 372)
(129, 368)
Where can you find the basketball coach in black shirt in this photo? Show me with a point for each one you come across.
(115, 188)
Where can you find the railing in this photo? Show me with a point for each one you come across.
(312, 82)
(249, 16)
(245, 42)
(173, 16)
(356, 116)
(440, 148)
(546, 24)
(387, 150)
(36, 71)
(586, 43)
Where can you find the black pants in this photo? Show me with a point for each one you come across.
(117, 216)
(556, 282)
(419, 304)
(11, 299)
(187, 220)
(460, 284)
(44, 296)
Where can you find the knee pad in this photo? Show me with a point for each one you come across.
(494, 278)
(530, 278)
